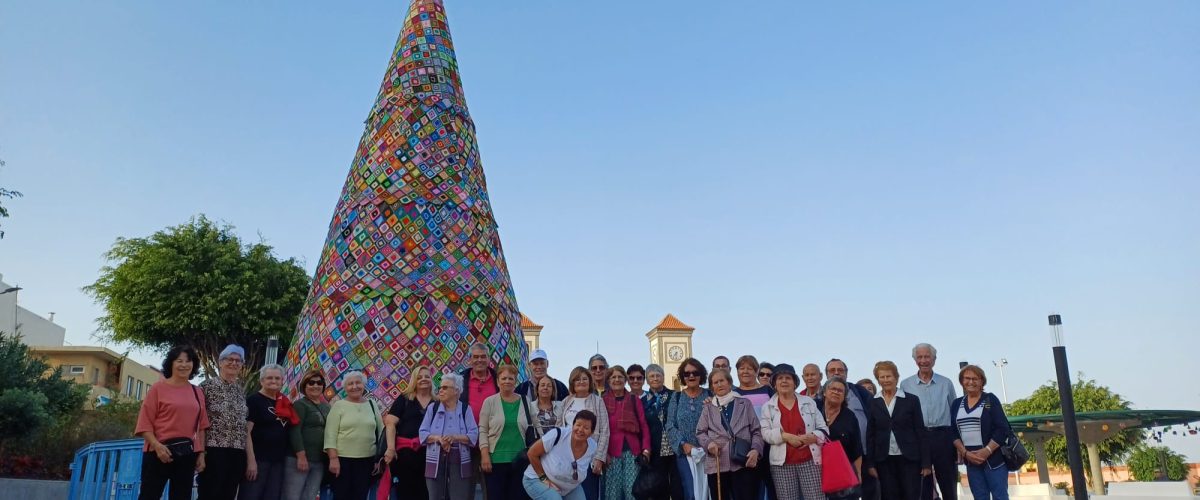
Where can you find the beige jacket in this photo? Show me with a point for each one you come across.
(491, 421)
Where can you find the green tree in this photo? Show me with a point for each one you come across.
(197, 283)
(23, 412)
(22, 369)
(1089, 396)
(6, 194)
(1146, 463)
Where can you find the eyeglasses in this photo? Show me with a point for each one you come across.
(446, 388)
(635, 379)
(598, 368)
(764, 374)
(835, 390)
(690, 374)
(315, 382)
(232, 361)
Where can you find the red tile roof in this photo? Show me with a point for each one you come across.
(670, 322)
(528, 323)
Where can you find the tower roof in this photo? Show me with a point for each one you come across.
(670, 322)
(528, 323)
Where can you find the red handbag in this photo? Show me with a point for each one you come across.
(837, 473)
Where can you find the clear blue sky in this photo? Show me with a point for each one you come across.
(797, 181)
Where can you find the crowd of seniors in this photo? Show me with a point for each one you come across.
(747, 431)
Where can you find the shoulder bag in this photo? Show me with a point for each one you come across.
(739, 449)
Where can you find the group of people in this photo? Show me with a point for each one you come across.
(745, 431)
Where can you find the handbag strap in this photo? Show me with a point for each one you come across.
(724, 421)
(199, 408)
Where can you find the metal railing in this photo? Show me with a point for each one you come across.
(107, 470)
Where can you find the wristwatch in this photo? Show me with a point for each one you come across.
(543, 477)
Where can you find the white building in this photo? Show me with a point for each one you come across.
(34, 329)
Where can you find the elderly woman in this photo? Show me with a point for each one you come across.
(897, 452)
(350, 437)
(758, 394)
(269, 417)
(225, 441)
(662, 456)
(598, 367)
(724, 420)
(792, 425)
(629, 437)
(682, 417)
(558, 464)
(981, 428)
(582, 398)
(403, 422)
(449, 433)
(765, 371)
(547, 405)
(304, 472)
(843, 428)
(502, 425)
(172, 422)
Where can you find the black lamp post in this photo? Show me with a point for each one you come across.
(1079, 482)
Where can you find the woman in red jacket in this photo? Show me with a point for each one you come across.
(628, 439)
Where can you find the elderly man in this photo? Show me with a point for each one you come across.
(720, 363)
(857, 399)
(811, 374)
(538, 364)
(937, 394)
(478, 384)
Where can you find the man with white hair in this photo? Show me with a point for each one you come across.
(936, 394)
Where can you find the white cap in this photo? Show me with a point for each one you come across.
(538, 354)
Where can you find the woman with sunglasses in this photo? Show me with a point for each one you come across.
(580, 400)
(765, 370)
(403, 423)
(558, 462)
(304, 472)
(683, 414)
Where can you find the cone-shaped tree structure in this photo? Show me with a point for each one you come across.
(412, 272)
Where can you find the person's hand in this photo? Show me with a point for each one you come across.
(251, 470)
(389, 455)
(793, 440)
(485, 463)
(302, 464)
(597, 467)
(687, 449)
(447, 442)
(872, 473)
(925, 471)
(752, 459)
(809, 438)
(713, 449)
(335, 467)
(551, 484)
(199, 462)
(163, 454)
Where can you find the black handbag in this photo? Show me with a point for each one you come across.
(380, 445)
(650, 483)
(183, 447)
(739, 449)
(522, 459)
(1014, 452)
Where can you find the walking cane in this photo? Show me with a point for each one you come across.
(718, 455)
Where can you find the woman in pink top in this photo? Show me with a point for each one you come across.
(172, 421)
(628, 438)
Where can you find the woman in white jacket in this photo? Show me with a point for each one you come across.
(793, 426)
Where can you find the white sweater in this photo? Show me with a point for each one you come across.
(772, 427)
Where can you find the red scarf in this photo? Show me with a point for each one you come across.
(285, 410)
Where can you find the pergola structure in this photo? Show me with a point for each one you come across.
(1094, 428)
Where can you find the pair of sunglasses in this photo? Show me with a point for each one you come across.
(315, 382)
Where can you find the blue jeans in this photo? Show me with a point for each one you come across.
(538, 490)
(685, 477)
(988, 483)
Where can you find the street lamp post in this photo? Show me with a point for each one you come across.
(1067, 400)
(1003, 382)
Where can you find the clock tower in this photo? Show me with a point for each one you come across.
(670, 344)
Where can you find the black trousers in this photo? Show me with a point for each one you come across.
(408, 473)
(764, 475)
(504, 483)
(899, 478)
(354, 480)
(945, 465)
(156, 475)
(737, 485)
(870, 487)
(224, 470)
(666, 467)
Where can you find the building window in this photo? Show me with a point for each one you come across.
(139, 390)
(75, 370)
(129, 386)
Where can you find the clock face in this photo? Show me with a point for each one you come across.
(675, 353)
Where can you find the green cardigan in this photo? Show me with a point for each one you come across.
(309, 436)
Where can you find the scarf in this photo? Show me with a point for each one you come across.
(626, 414)
(723, 401)
(284, 410)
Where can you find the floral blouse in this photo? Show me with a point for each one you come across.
(227, 411)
